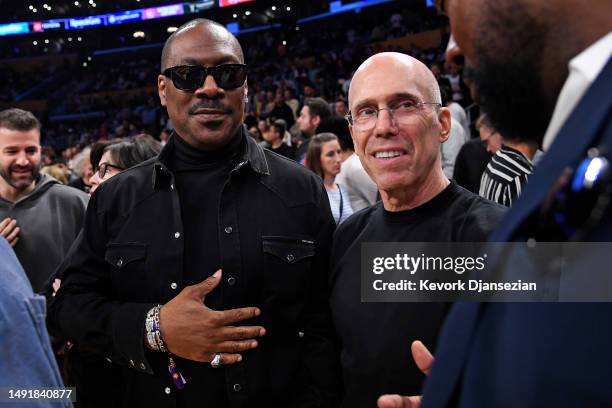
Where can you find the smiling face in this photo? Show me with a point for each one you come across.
(208, 117)
(398, 156)
(19, 158)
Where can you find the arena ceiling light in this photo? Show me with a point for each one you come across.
(172, 29)
(288, 8)
(273, 8)
(138, 34)
(247, 13)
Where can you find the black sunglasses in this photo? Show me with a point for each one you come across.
(103, 168)
(192, 77)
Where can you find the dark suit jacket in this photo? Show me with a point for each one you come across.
(534, 354)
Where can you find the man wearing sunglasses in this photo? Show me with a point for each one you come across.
(203, 273)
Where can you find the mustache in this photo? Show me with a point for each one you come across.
(16, 167)
(210, 104)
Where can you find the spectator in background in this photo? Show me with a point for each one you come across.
(313, 112)
(275, 137)
(37, 213)
(122, 155)
(361, 190)
(281, 110)
(57, 172)
(457, 138)
(82, 171)
(443, 82)
(324, 158)
(164, 135)
(509, 169)
(460, 91)
(470, 164)
(292, 101)
(492, 139)
(340, 108)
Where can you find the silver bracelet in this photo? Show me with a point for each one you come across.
(154, 338)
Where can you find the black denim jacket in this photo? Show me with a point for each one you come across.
(275, 230)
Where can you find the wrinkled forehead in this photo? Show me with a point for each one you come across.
(384, 79)
(205, 45)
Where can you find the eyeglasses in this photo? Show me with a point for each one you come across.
(191, 77)
(366, 118)
(103, 169)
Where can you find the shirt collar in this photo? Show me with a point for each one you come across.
(583, 70)
(252, 154)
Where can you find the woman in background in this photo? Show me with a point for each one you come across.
(324, 158)
(110, 157)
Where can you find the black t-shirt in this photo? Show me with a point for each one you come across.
(200, 177)
(376, 337)
(285, 150)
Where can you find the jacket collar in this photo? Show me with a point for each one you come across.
(252, 155)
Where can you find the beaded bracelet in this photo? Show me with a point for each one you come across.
(155, 340)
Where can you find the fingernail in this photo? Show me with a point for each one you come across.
(257, 312)
(217, 274)
(239, 357)
(253, 344)
(262, 332)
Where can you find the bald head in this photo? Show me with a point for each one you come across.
(395, 65)
(212, 29)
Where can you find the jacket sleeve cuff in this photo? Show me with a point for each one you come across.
(128, 329)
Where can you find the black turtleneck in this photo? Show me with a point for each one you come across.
(200, 177)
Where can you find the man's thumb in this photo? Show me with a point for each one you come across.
(207, 285)
(422, 357)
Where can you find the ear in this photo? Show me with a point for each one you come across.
(161, 89)
(444, 119)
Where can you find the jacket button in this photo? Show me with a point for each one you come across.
(301, 334)
(237, 387)
(290, 258)
(142, 366)
(132, 363)
(120, 262)
(167, 390)
(231, 281)
(177, 234)
(173, 285)
(228, 230)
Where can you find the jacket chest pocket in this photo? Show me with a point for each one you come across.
(287, 264)
(128, 272)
